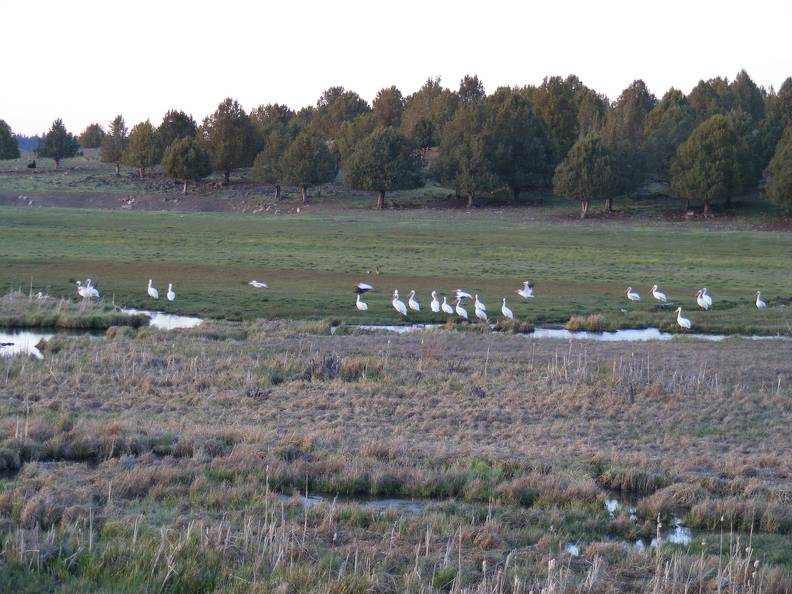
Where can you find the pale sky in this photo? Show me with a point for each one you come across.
(87, 60)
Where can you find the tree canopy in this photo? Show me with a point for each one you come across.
(667, 126)
(588, 172)
(143, 148)
(706, 166)
(175, 125)
(388, 107)
(114, 143)
(336, 106)
(779, 171)
(384, 161)
(186, 159)
(307, 162)
(92, 136)
(58, 143)
(554, 102)
(8, 142)
(267, 167)
(229, 137)
(471, 89)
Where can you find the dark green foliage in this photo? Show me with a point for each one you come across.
(92, 136)
(186, 159)
(267, 166)
(710, 97)
(779, 171)
(747, 96)
(175, 125)
(336, 106)
(592, 108)
(667, 126)
(307, 162)
(517, 142)
(589, 171)
(706, 166)
(388, 106)
(554, 102)
(353, 133)
(8, 142)
(58, 143)
(433, 104)
(114, 143)
(270, 118)
(423, 134)
(778, 115)
(748, 150)
(471, 89)
(382, 162)
(143, 148)
(229, 137)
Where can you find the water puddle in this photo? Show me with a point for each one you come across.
(166, 321)
(413, 506)
(22, 342)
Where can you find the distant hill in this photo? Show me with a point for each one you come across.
(28, 143)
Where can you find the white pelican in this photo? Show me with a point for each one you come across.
(701, 299)
(632, 295)
(684, 323)
(507, 313)
(83, 291)
(527, 291)
(398, 304)
(460, 294)
(170, 294)
(362, 288)
(759, 303)
(435, 304)
(706, 297)
(362, 306)
(446, 307)
(258, 284)
(414, 305)
(659, 295)
(92, 291)
(480, 304)
(481, 314)
(461, 311)
(153, 293)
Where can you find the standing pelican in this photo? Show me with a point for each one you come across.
(92, 291)
(435, 304)
(398, 304)
(362, 306)
(446, 307)
(461, 311)
(706, 297)
(481, 314)
(527, 291)
(414, 305)
(683, 323)
(82, 291)
(632, 295)
(480, 304)
(507, 313)
(702, 301)
(759, 303)
(170, 294)
(658, 295)
(153, 293)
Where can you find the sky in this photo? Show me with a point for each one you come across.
(86, 61)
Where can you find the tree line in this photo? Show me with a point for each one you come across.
(714, 143)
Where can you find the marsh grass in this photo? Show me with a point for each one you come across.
(18, 310)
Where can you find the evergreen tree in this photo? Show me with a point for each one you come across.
(748, 151)
(554, 102)
(270, 118)
(229, 137)
(471, 89)
(267, 166)
(435, 106)
(667, 126)
(383, 162)
(92, 137)
(308, 162)
(175, 125)
(58, 143)
(588, 172)
(186, 159)
(388, 107)
(353, 133)
(9, 148)
(113, 144)
(706, 166)
(779, 171)
(747, 96)
(143, 148)
(709, 98)
(336, 106)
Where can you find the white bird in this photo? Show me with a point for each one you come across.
(153, 293)
(480, 304)
(460, 294)
(507, 313)
(481, 314)
(258, 284)
(461, 311)
(170, 294)
(659, 295)
(701, 299)
(706, 297)
(92, 291)
(759, 303)
(446, 307)
(435, 304)
(398, 304)
(83, 291)
(414, 305)
(632, 295)
(362, 306)
(527, 291)
(683, 323)
(362, 288)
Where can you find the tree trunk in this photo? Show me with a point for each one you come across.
(226, 176)
(706, 208)
(380, 199)
(304, 192)
(277, 192)
(118, 168)
(57, 162)
(516, 194)
(140, 171)
(608, 205)
(184, 187)
(687, 205)
(583, 208)
(471, 197)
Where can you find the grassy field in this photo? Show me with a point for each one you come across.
(313, 259)
(156, 461)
